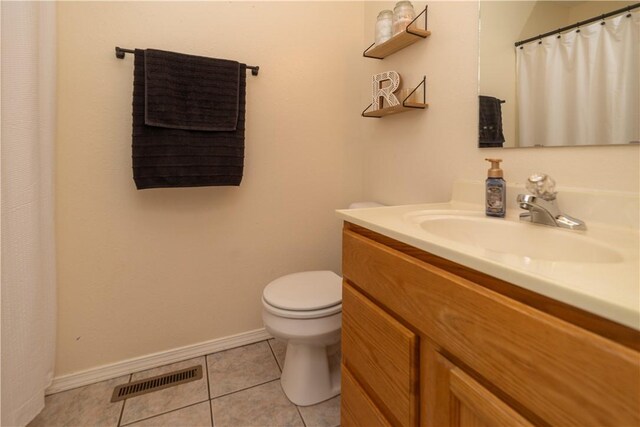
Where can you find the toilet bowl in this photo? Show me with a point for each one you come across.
(305, 311)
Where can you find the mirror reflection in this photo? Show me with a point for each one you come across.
(577, 86)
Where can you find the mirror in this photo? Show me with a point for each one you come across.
(580, 86)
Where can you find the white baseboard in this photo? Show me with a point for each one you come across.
(106, 372)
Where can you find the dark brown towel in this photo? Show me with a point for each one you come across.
(164, 157)
(190, 92)
(490, 121)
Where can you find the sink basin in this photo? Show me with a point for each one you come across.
(527, 241)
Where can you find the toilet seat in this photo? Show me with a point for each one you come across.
(306, 295)
(309, 290)
(302, 314)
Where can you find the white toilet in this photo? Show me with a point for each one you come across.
(305, 311)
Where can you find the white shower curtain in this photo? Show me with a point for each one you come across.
(582, 88)
(28, 306)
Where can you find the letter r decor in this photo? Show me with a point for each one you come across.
(386, 92)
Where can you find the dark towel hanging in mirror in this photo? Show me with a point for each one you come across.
(490, 132)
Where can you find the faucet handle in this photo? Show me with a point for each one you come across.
(542, 185)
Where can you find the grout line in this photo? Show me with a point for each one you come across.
(246, 388)
(326, 400)
(301, 417)
(165, 413)
(240, 346)
(274, 356)
(123, 403)
(206, 364)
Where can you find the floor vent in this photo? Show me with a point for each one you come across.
(149, 385)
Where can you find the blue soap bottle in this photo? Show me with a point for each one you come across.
(496, 190)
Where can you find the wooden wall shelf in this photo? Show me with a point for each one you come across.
(396, 43)
(409, 36)
(404, 106)
(407, 106)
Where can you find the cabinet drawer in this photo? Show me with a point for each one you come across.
(382, 355)
(541, 365)
(357, 409)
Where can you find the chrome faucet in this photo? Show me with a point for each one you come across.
(542, 207)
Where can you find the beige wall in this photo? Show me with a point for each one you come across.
(416, 156)
(544, 17)
(147, 271)
(588, 9)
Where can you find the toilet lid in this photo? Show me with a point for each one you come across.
(309, 290)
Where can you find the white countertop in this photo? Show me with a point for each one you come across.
(608, 289)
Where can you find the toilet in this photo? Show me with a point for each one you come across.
(305, 311)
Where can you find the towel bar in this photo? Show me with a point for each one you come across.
(120, 52)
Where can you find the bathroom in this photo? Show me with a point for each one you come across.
(147, 278)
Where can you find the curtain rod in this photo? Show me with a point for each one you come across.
(120, 52)
(578, 24)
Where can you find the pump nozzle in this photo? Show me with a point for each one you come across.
(495, 171)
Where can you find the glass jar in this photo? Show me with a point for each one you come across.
(384, 26)
(403, 14)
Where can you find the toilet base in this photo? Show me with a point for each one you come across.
(309, 375)
(311, 371)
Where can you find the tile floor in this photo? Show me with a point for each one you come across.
(240, 387)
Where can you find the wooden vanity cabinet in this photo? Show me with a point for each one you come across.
(431, 343)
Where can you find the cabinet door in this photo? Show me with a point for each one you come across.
(357, 409)
(382, 355)
(455, 399)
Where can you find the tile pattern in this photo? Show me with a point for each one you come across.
(324, 414)
(168, 399)
(241, 367)
(264, 405)
(85, 406)
(198, 415)
(240, 387)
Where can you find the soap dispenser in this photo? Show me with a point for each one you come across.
(496, 190)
